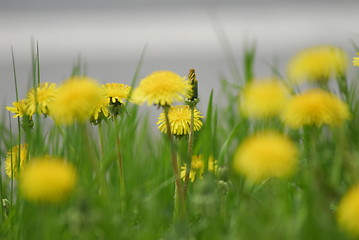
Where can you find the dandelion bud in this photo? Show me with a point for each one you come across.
(194, 83)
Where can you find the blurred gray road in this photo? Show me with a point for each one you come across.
(179, 36)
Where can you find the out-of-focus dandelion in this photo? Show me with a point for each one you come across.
(13, 159)
(101, 110)
(180, 119)
(47, 180)
(315, 107)
(348, 211)
(198, 166)
(317, 64)
(356, 60)
(76, 100)
(263, 98)
(38, 100)
(19, 108)
(266, 155)
(161, 88)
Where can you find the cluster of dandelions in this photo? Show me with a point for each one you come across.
(79, 99)
(268, 154)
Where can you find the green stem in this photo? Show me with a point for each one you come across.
(338, 157)
(100, 133)
(311, 178)
(120, 166)
(179, 205)
(190, 152)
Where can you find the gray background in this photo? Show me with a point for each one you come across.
(110, 36)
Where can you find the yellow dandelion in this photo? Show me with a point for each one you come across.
(317, 64)
(180, 120)
(263, 98)
(356, 60)
(197, 167)
(13, 159)
(161, 88)
(47, 179)
(41, 98)
(19, 108)
(76, 100)
(266, 155)
(315, 107)
(116, 92)
(348, 211)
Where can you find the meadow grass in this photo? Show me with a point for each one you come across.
(125, 185)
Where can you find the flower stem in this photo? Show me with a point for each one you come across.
(190, 152)
(179, 205)
(100, 133)
(120, 167)
(338, 157)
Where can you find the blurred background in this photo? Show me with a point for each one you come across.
(111, 35)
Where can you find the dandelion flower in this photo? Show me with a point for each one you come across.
(356, 61)
(76, 100)
(266, 155)
(47, 179)
(18, 108)
(13, 158)
(116, 92)
(161, 88)
(315, 107)
(41, 98)
(348, 211)
(180, 120)
(317, 64)
(197, 167)
(263, 98)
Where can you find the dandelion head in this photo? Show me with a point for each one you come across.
(356, 60)
(180, 120)
(13, 159)
(161, 88)
(19, 108)
(116, 92)
(315, 107)
(76, 100)
(198, 166)
(47, 180)
(317, 64)
(40, 98)
(348, 212)
(263, 98)
(265, 155)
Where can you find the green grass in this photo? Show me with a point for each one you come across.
(222, 206)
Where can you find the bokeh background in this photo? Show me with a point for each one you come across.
(111, 35)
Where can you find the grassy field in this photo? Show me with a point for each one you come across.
(278, 160)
